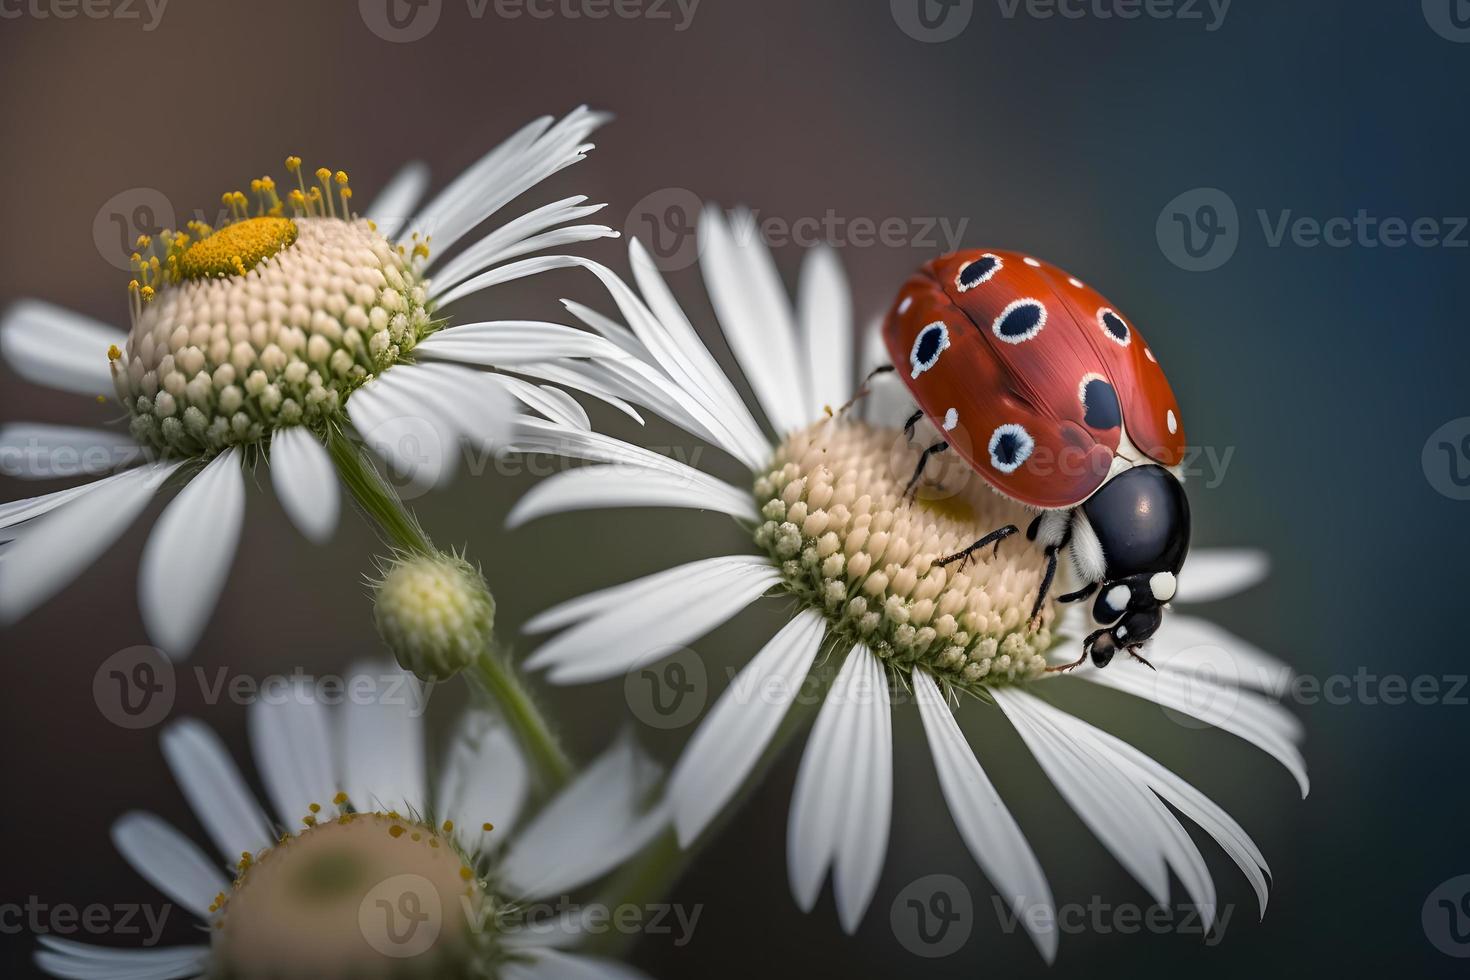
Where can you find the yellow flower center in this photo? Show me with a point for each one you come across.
(361, 895)
(237, 248)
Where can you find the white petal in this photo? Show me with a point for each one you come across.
(291, 738)
(170, 861)
(48, 554)
(556, 405)
(989, 830)
(58, 348)
(1267, 726)
(597, 487)
(1188, 644)
(508, 171)
(756, 316)
(418, 445)
(1160, 828)
(551, 964)
(843, 800)
(589, 828)
(826, 327)
(19, 511)
(530, 232)
(187, 558)
(1214, 573)
(507, 343)
(81, 961)
(381, 739)
(583, 376)
(485, 780)
(306, 482)
(1188, 800)
(39, 451)
(1112, 808)
(394, 204)
(215, 789)
(733, 736)
(652, 617)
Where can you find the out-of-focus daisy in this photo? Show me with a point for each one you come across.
(366, 872)
(834, 535)
(261, 341)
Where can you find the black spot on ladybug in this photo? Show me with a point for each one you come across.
(1113, 326)
(1010, 446)
(928, 345)
(974, 273)
(1020, 321)
(1100, 404)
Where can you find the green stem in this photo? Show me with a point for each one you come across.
(649, 877)
(499, 680)
(381, 503)
(376, 498)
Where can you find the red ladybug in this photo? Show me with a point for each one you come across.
(1051, 394)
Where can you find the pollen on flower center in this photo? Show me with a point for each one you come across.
(850, 545)
(216, 360)
(360, 895)
(236, 249)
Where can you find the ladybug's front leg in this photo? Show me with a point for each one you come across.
(994, 537)
(1046, 579)
(862, 389)
(934, 450)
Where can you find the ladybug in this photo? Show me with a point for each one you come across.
(1050, 393)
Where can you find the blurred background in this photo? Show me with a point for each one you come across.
(1177, 155)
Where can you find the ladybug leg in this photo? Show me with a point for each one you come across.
(1048, 576)
(1080, 594)
(994, 537)
(1133, 652)
(862, 389)
(908, 427)
(933, 450)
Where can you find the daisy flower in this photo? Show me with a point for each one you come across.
(366, 872)
(834, 537)
(267, 338)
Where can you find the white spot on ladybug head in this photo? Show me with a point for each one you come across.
(1113, 327)
(1020, 321)
(932, 341)
(1163, 586)
(1075, 281)
(1031, 262)
(977, 271)
(1118, 597)
(904, 306)
(1172, 421)
(1121, 632)
(1010, 446)
(951, 419)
